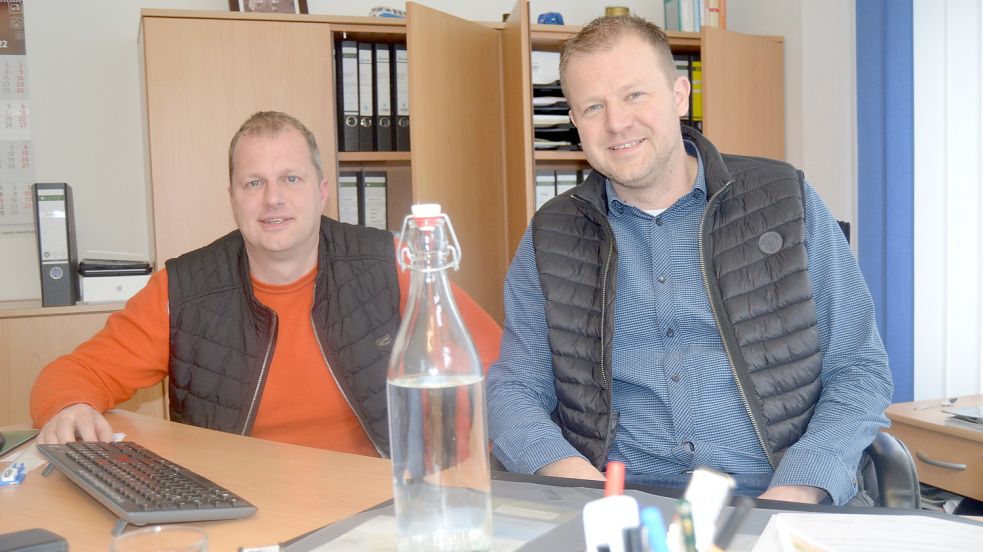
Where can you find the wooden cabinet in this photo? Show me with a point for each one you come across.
(743, 101)
(470, 111)
(946, 456)
(32, 336)
(206, 72)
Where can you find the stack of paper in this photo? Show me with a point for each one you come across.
(867, 533)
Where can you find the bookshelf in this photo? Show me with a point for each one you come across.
(205, 72)
(471, 116)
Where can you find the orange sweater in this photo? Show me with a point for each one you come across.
(301, 402)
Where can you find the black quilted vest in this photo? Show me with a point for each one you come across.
(222, 339)
(755, 270)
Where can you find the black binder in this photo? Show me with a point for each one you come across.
(366, 98)
(401, 96)
(54, 222)
(346, 80)
(383, 98)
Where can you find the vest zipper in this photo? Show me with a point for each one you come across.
(604, 304)
(604, 282)
(262, 376)
(720, 326)
(341, 389)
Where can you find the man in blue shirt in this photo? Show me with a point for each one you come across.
(682, 308)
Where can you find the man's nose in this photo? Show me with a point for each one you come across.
(272, 193)
(617, 117)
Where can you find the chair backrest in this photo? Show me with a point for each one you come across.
(845, 227)
(888, 473)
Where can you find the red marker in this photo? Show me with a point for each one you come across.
(615, 484)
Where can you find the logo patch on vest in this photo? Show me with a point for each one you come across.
(770, 242)
(383, 341)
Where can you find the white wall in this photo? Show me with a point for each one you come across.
(84, 86)
(820, 90)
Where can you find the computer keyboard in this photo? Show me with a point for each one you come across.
(141, 487)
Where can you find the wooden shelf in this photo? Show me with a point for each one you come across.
(551, 37)
(548, 155)
(338, 22)
(32, 307)
(373, 157)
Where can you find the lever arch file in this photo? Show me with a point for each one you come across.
(55, 226)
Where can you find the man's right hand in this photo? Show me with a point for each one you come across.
(78, 421)
(574, 467)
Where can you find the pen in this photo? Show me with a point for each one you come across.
(614, 483)
(725, 534)
(655, 530)
(685, 512)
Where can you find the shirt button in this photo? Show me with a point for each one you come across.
(675, 377)
(659, 221)
(670, 332)
(661, 279)
(689, 446)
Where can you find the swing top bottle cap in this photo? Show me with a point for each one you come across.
(425, 210)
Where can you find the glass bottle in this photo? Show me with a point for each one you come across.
(437, 421)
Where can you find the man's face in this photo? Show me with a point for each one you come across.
(276, 196)
(626, 110)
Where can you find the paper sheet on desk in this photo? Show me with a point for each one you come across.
(866, 533)
(516, 523)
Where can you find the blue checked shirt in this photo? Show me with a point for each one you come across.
(673, 386)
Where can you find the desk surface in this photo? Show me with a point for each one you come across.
(929, 415)
(296, 489)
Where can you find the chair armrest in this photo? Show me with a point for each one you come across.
(895, 473)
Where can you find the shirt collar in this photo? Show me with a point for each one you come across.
(617, 207)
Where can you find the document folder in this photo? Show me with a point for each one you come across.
(374, 199)
(366, 98)
(401, 97)
(383, 99)
(346, 70)
(348, 203)
(55, 226)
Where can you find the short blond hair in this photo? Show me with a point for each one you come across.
(270, 123)
(602, 33)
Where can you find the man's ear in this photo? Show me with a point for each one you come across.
(680, 91)
(572, 119)
(324, 194)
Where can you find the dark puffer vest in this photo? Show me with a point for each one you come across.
(222, 339)
(755, 271)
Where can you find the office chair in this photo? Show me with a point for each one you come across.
(888, 473)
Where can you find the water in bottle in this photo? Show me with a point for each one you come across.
(437, 420)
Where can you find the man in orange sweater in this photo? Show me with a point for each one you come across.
(281, 330)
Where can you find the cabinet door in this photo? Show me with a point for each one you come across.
(203, 78)
(29, 343)
(743, 93)
(517, 87)
(456, 140)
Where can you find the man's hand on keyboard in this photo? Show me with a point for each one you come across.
(78, 421)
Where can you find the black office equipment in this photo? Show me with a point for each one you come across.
(113, 267)
(32, 540)
(401, 96)
(54, 223)
(383, 98)
(141, 487)
(9, 440)
(346, 70)
(366, 98)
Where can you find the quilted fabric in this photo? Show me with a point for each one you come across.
(221, 337)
